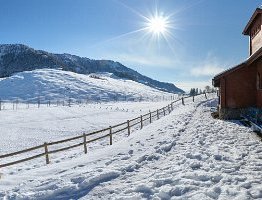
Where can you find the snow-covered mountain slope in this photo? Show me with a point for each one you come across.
(54, 84)
(185, 155)
(18, 58)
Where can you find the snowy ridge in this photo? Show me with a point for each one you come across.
(13, 48)
(19, 58)
(54, 84)
(186, 155)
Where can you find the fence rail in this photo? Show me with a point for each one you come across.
(129, 124)
(15, 103)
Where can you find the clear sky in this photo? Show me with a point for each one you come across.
(202, 37)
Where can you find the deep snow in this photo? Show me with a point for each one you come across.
(185, 155)
(54, 84)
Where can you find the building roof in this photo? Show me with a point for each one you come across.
(249, 61)
(257, 12)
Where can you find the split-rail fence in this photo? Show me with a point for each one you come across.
(110, 131)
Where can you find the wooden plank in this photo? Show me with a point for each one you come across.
(99, 138)
(134, 119)
(65, 140)
(66, 148)
(119, 130)
(22, 151)
(22, 160)
(135, 124)
(145, 119)
(145, 114)
(99, 131)
(118, 125)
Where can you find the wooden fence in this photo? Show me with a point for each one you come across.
(109, 132)
(44, 101)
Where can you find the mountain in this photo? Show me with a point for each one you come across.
(55, 84)
(18, 58)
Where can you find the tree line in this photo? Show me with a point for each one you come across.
(196, 91)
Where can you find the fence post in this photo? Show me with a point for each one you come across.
(46, 154)
(164, 111)
(169, 109)
(128, 127)
(183, 101)
(157, 113)
(193, 98)
(16, 104)
(110, 135)
(150, 117)
(172, 107)
(38, 102)
(69, 102)
(85, 148)
(141, 120)
(206, 95)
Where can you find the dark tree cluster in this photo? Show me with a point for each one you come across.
(196, 91)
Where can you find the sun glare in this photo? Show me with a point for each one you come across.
(157, 25)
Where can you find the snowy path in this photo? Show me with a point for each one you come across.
(186, 155)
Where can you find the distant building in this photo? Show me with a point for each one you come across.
(240, 87)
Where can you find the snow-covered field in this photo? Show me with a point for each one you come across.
(184, 155)
(24, 128)
(54, 84)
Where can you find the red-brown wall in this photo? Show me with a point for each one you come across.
(239, 90)
(259, 91)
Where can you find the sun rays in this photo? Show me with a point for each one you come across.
(155, 28)
(157, 25)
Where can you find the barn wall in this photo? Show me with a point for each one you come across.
(241, 89)
(259, 91)
(222, 92)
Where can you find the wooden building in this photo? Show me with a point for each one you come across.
(240, 87)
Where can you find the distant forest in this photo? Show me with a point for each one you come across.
(195, 91)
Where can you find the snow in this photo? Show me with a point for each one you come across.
(54, 84)
(184, 155)
(47, 124)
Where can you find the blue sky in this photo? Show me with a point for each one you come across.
(205, 36)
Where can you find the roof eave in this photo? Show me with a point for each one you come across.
(249, 61)
(246, 30)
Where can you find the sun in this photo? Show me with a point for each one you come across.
(157, 25)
